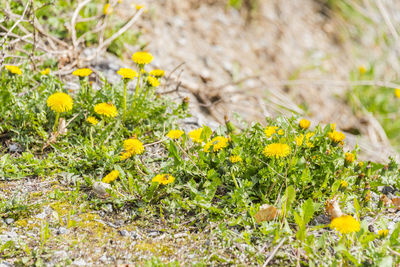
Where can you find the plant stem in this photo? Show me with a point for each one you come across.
(91, 135)
(234, 180)
(137, 85)
(125, 94)
(56, 122)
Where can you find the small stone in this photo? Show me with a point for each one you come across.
(179, 235)
(99, 189)
(135, 235)
(124, 233)
(9, 220)
(153, 234)
(14, 147)
(103, 259)
(80, 262)
(61, 254)
(108, 208)
(61, 231)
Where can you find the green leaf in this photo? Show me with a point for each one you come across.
(173, 150)
(308, 210)
(290, 195)
(395, 235)
(357, 207)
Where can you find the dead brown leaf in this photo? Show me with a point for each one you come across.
(396, 202)
(266, 213)
(332, 208)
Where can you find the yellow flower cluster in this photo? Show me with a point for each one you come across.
(217, 143)
(92, 120)
(383, 232)
(142, 58)
(397, 92)
(299, 139)
(45, 71)
(362, 69)
(276, 150)
(14, 69)
(107, 9)
(60, 102)
(157, 73)
(111, 177)
(308, 137)
(344, 184)
(175, 134)
(163, 179)
(127, 73)
(304, 124)
(270, 130)
(235, 159)
(195, 135)
(106, 109)
(82, 72)
(336, 136)
(349, 157)
(345, 224)
(132, 147)
(153, 81)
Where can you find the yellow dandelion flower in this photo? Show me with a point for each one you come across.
(217, 143)
(345, 224)
(270, 130)
(60, 102)
(276, 150)
(82, 72)
(133, 147)
(235, 159)
(344, 184)
(106, 109)
(299, 139)
(332, 126)
(368, 196)
(309, 144)
(336, 136)
(175, 134)
(157, 73)
(107, 9)
(304, 124)
(349, 157)
(142, 58)
(383, 232)
(125, 155)
(153, 81)
(362, 69)
(111, 177)
(163, 179)
(92, 120)
(127, 73)
(14, 69)
(397, 92)
(281, 132)
(139, 7)
(45, 71)
(195, 135)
